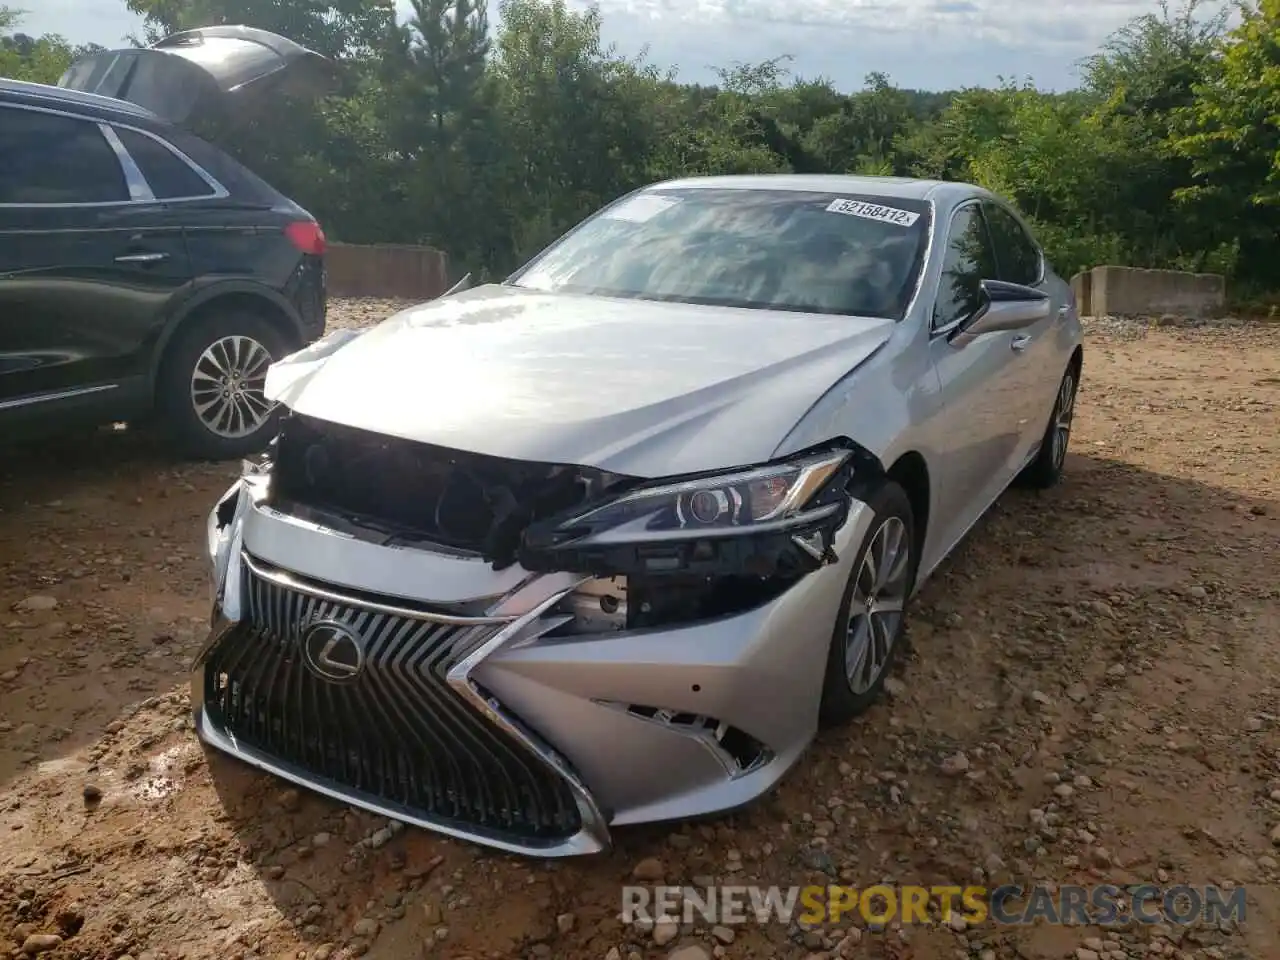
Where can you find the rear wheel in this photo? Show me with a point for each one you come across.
(1046, 469)
(872, 615)
(212, 382)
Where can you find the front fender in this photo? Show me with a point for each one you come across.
(879, 405)
(204, 292)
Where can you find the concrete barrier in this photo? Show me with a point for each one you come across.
(386, 270)
(1082, 288)
(1129, 291)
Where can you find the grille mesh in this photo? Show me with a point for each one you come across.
(396, 733)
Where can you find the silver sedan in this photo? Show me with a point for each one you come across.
(609, 541)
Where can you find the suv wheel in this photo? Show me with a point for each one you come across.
(212, 381)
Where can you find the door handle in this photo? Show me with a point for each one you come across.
(1020, 342)
(142, 258)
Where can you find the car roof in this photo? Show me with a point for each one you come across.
(45, 95)
(902, 188)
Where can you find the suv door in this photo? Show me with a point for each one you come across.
(89, 261)
(981, 418)
(1038, 371)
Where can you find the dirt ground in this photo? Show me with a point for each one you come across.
(1093, 694)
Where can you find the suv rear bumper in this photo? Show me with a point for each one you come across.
(307, 291)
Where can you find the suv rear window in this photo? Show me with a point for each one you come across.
(168, 176)
(47, 158)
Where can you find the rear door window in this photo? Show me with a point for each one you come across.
(169, 176)
(48, 158)
(1016, 253)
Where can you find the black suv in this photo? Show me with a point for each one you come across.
(143, 271)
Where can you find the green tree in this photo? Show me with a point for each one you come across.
(36, 59)
(580, 122)
(439, 113)
(1230, 133)
(491, 143)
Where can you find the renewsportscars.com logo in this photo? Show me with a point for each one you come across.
(1103, 904)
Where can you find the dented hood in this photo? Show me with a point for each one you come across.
(212, 72)
(640, 388)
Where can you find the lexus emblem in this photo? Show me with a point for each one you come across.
(332, 651)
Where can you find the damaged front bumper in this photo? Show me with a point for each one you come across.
(528, 711)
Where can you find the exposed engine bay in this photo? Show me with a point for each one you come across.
(511, 511)
(418, 491)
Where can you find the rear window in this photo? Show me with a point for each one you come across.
(763, 249)
(169, 176)
(244, 184)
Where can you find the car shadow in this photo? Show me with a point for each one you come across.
(74, 462)
(1110, 527)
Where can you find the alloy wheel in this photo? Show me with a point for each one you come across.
(1063, 411)
(228, 387)
(875, 609)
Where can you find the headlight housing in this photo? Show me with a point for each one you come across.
(218, 533)
(739, 521)
(220, 525)
(770, 497)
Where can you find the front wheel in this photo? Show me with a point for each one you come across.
(211, 389)
(872, 615)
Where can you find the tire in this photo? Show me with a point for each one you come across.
(1046, 469)
(188, 372)
(843, 697)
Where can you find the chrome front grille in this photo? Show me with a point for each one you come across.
(396, 733)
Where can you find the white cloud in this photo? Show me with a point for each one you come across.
(922, 43)
(1040, 25)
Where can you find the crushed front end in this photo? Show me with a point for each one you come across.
(521, 654)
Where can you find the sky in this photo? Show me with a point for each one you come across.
(927, 44)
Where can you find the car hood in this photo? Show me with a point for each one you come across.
(640, 388)
(222, 72)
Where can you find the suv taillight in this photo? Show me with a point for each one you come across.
(307, 236)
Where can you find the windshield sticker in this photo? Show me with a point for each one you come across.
(873, 211)
(641, 208)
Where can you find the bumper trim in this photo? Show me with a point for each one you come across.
(282, 578)
(592, 837)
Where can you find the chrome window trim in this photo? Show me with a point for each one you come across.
(942, 331)
(925, 254)
(135, 182)
(219, 191)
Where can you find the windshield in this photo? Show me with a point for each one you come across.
(762, 249)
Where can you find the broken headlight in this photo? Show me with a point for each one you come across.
(749, 520)
(220, 524)
(767, 498)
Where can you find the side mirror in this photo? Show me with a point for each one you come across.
(1005, 306)
(463, 284)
